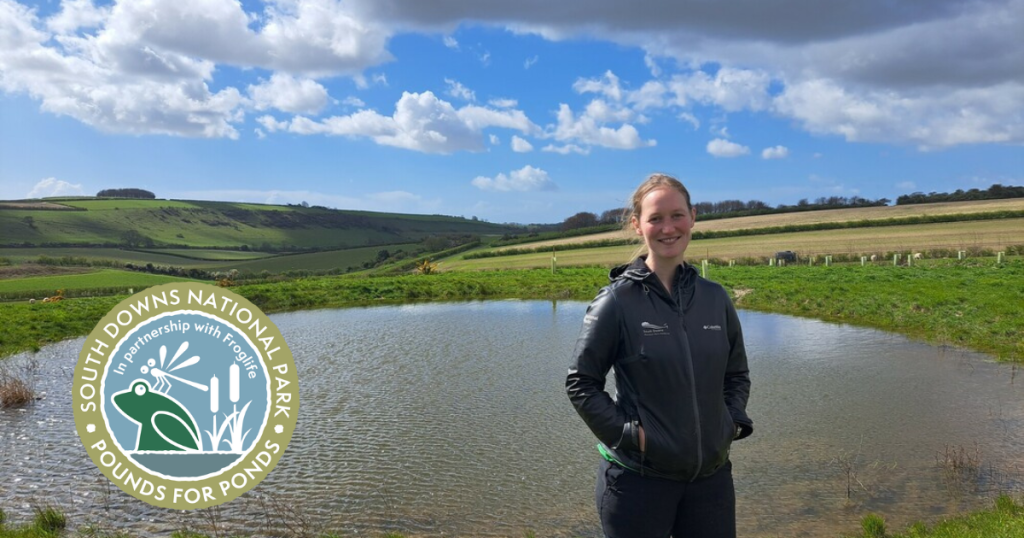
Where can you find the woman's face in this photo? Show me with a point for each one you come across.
(665, 223)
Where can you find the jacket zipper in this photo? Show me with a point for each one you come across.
(693, 393)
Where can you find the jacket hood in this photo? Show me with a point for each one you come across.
(637, 270)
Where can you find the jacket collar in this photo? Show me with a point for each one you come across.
(638, 271)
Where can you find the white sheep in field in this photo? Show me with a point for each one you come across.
(917, 255)
(874, 257)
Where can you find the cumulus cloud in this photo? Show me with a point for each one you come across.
(421, 122)
(525, 179)
(590, 128)
(520, 145)
(52, 186)
(289, 94)
(776, 152)
(457, 90)
(928, 58)
(607, 85)
(494, 139)
(503, 103)
(450, 42)
(720, 147)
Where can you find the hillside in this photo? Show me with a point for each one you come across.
(199, 224)
(812, 217)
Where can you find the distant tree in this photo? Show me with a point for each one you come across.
(30, 222)
(611, 216)
(582, 219)
(125, 193)
(383, 255)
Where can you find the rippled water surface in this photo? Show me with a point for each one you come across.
(452, 420)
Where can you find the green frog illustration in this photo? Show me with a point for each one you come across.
(164, 424)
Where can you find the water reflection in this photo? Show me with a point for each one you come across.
(451, 420)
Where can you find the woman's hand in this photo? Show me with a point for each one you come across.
(643, 439)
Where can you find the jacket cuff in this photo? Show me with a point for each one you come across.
(630, 439)
(744, 425)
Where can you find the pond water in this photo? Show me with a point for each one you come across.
(452, 420)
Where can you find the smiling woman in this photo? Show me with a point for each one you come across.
(670, 336)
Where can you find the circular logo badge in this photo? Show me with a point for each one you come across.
(185, 395)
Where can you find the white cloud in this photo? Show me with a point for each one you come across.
(731, 89)
(776, 152)
(566, 149)
(723, 148)
(450, 42)
(52, 186)
(485, 58)
(289, 94)
(525, 179)
(650, 95)
(590, 129)
(607, 85)
(421, 122)
(939, 119)
(530, 61)
(691, 119)
(521, 146)
(353, 102)
(503, 103)
(259, 133)
(652, 65)
(494, 139)
(75, 14)
(457, 90)
(906, 185)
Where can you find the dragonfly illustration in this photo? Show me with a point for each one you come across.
(163, 374)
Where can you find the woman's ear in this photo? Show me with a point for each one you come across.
(635, 224)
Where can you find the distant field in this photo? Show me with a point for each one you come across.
(212, 254)
(219, 260)
(104, 278)
(815, 217)
(991, 234)
(318, 261)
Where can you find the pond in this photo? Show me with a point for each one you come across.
(452, 420)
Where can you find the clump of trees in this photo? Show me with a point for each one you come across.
(995, 192)
(126, 193)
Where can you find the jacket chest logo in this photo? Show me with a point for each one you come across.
(712, 327)
(651, 329)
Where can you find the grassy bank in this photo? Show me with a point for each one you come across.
(970, 304)
(1004, 520)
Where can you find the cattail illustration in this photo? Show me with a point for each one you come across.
(214, 395)
(233, 383)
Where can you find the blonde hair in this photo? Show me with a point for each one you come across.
(653, 182)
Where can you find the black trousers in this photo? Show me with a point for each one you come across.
(635, 506)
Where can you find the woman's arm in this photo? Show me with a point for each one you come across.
(596, 350)
(737, 376)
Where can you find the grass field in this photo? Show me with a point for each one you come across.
(103, 278)
(990, 234)
(223, 224)
(218, 260)
(815, 217)
(212, 254)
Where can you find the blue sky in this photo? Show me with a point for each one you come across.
(511, 112)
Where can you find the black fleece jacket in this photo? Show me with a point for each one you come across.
(680, 371)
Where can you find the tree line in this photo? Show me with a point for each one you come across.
(995, 192)
(125, 193)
